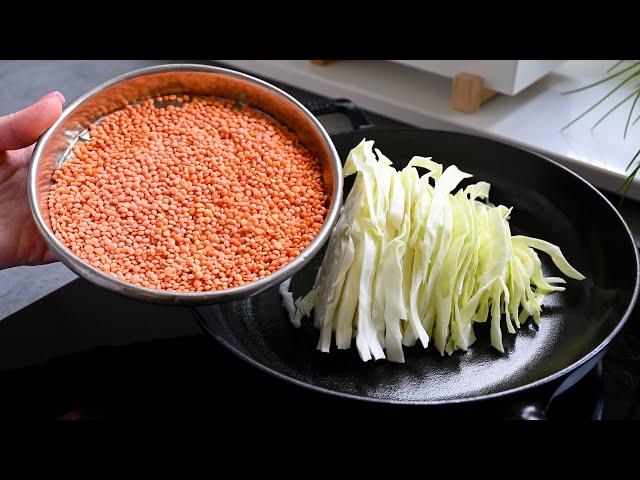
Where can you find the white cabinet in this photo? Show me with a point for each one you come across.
(505, 76)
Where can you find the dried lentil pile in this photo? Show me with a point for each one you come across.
(197, 196)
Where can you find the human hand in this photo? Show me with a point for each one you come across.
(20, 241)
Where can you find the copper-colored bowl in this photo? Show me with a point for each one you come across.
(53, 147)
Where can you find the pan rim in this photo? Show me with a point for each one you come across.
(488, 396)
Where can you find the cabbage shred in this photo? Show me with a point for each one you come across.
(409, 262)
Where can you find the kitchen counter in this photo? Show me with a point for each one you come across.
(24, 82)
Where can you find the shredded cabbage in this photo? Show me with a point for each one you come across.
(287, 302)
(409, 261)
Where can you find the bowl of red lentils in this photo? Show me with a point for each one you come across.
(185, 184)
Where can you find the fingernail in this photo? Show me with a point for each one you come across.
(56, 93)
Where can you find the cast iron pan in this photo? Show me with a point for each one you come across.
(550, 202)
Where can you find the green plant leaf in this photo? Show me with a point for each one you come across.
(606, 79)
(615, 89)
(626, 185)
(633, 105)
(616, 106)
(629, 180)
(615, 66)
(635, 66)
(631, 162)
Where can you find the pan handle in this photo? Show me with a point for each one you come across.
(358, 119)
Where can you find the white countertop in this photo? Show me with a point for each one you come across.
(532, 119)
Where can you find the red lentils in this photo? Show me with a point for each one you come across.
(197, 196)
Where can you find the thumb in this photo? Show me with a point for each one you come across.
(21, 129)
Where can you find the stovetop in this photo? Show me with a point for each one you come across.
(83, 352)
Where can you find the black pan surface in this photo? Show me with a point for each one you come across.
(551, 203)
